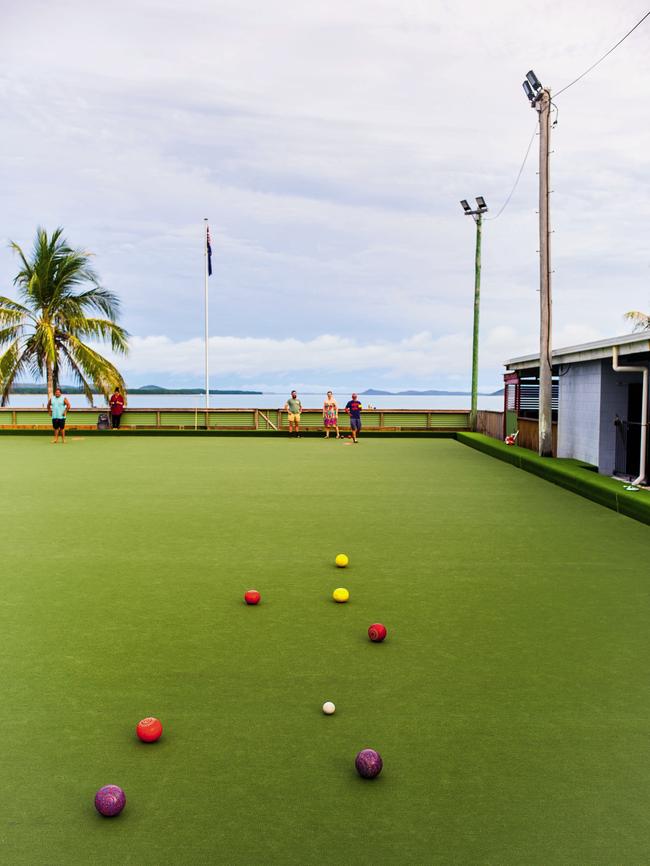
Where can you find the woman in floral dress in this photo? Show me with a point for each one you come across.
(330, 416)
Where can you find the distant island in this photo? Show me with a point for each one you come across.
(372, 392)
(157, 389)
(145, 389)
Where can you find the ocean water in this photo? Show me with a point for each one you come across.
(262, 401)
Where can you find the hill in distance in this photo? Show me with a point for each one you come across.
(373, 392)
(145, 389)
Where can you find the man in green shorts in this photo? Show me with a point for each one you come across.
(58, 407)
(293, 407)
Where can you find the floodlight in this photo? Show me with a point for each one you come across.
(465, 205)
(528, 90)
(480, 201)
(535, 83)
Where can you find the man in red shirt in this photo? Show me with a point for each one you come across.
(117, 407)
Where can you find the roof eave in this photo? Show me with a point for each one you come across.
(630, 344)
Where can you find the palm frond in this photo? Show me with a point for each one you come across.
(640, 320)
(12, 363)
(99, 370)
(26, 265)
(11, 311)
(99, 299)
(34, 350)
(78, 376)
(54, 271)
(10, 334)
(28, 277)
(99, 329)
(71, 270)
(36, 369)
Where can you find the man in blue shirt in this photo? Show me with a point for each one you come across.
(58, 407)
(353, 407)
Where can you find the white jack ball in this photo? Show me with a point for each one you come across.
(329, 708)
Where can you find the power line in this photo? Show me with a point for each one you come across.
(575, 81)
(517, 179)
(587, 71)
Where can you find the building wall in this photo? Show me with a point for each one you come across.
(579, 412)
(613, 402)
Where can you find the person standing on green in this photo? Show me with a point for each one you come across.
(354, 408)
(293, 407)
(58, 406)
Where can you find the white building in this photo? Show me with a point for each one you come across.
(602, 407)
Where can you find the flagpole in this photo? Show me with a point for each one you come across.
(205, 269)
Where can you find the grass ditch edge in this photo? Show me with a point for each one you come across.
(573, 475)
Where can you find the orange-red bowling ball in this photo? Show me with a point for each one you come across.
(252, 597)
(377, 632)
(149, 730)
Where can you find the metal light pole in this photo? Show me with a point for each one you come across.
(477, 215)
(540, 99)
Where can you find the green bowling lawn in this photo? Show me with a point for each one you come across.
(510, 700)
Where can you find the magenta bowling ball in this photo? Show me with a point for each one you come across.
(110, 800)
(368, 763)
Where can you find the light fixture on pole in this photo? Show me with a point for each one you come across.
(540, 99)
(477, 215)
(534, 82)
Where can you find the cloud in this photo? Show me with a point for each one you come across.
(329, 145)
(419, 358)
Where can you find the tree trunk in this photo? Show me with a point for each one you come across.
(50, 381)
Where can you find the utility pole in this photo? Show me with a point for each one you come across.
(478, 219)
(540, 99)
(545, 308)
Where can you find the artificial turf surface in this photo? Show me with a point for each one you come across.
(510, 701)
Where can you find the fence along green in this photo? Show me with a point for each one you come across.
(241, 419)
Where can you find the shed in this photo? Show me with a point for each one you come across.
(602, 405)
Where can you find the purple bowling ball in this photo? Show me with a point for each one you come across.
(369, 764)
(110, 800)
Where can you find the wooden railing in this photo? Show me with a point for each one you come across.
(273, 420)
(490, 423)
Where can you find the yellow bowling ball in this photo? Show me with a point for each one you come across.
(341, 594)
(341, 560)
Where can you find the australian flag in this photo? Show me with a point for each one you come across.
(209, 249)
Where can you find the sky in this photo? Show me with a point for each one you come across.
(329, 146)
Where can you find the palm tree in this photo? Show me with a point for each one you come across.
(641, 320)
(46, 331)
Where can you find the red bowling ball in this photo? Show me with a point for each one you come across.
(149, 730)
(377, 632)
